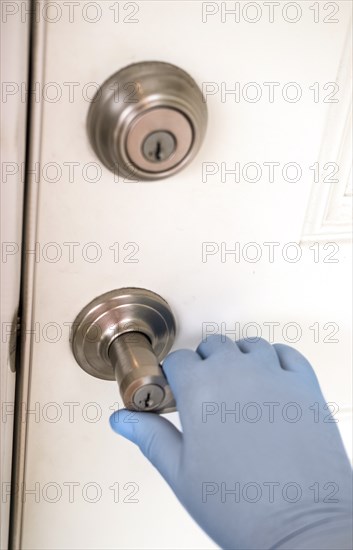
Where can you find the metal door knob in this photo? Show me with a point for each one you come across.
(147, 121)
(123, 335)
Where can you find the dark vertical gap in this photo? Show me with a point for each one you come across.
(17, 407)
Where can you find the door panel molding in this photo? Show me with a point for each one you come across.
(329, 214)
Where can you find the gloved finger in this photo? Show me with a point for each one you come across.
(292, 360)
(158, 439)
(263, 350)
(215, 344)
(248, 345)
(178, 367)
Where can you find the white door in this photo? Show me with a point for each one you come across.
(251, 238)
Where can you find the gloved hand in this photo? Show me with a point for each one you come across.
(260, 462)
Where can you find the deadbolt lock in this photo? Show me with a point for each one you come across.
(123, 335)
(147, 121)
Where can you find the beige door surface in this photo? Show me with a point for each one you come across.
(252, 238)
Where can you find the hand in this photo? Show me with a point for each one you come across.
(260, 462)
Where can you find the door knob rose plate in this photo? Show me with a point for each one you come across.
(123, 335)
(147, 121)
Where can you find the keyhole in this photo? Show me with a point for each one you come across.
(147, 400)
(159, 146)
(158, 151)
(148, 397)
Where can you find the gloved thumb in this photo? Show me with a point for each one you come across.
(158, 439)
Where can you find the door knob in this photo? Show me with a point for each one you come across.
(147, 121)
(123, 335)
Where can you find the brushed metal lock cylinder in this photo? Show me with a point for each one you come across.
(123, 335)
(147, 121)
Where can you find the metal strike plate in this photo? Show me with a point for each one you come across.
(147, 121)
(123, 335)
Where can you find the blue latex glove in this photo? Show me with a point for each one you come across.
(272, 474)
